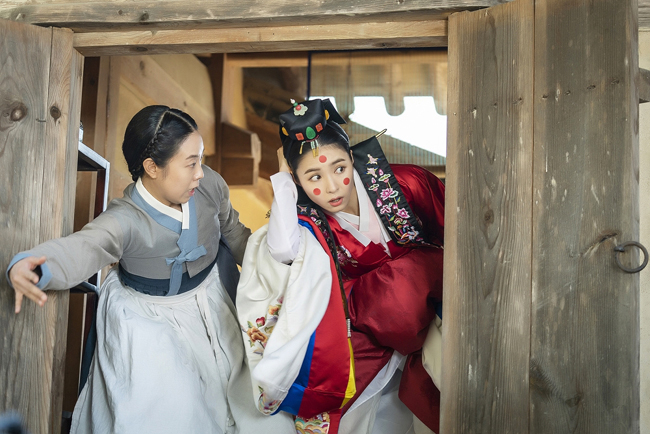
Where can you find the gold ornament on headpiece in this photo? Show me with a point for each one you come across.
(314, 147)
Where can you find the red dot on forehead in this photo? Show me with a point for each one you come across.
(317, 191)
(322, 158)
(346, 181)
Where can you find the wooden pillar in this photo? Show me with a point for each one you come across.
(41, 90)
(541, 326)
(584, 354)
(488, 220)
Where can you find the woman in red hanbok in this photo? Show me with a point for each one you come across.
(382, 226)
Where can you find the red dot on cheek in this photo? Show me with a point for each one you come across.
(322, 158)
(346, 181)
(317, 191)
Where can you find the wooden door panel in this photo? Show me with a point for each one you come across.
(488, 221)
(541, 329)
(585, 310)
(40, 76)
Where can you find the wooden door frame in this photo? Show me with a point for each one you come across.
(358, 36)
(400, 31)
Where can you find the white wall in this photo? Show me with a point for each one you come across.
(644, 199)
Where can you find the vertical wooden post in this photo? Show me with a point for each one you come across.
(585, 310)
(541, 326)
(87, 181)
(41, 97)
(216, 71)
(488, 219)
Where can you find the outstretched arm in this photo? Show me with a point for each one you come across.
(65, 262)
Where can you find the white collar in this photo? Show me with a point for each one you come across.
(183, 216)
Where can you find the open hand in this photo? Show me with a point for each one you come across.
(24, 279)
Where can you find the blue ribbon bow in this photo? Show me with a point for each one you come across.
(177, 268)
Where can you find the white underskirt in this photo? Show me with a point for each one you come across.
(382, 412)
(169, 365)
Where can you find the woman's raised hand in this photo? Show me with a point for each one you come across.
(24, 279)
(282, 162)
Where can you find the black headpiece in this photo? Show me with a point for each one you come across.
(304, 122)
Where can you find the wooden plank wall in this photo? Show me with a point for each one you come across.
(585, 311)
(488, 221)
(541, 327)
(41, 89)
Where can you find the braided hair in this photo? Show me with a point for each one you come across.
(155, 132)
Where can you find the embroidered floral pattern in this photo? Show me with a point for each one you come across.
(264, 405)
(388, 204)
(384, 177)
(385, 209)
(345, 257)
(402, 213)
(319, 424)
(258, 333)
(388, 193)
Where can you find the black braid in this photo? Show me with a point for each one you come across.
(148, 150)
(153, 134)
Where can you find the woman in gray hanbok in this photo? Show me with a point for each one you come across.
(169, 355)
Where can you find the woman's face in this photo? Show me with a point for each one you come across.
(175, 183)
(328, 179)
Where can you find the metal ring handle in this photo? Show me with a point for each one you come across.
(621, 248)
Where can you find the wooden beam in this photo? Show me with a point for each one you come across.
(82, 16)
(408, 57)
(270, 60)
(204, 14)
(644, 85)
(391, 34)
(301, 59)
